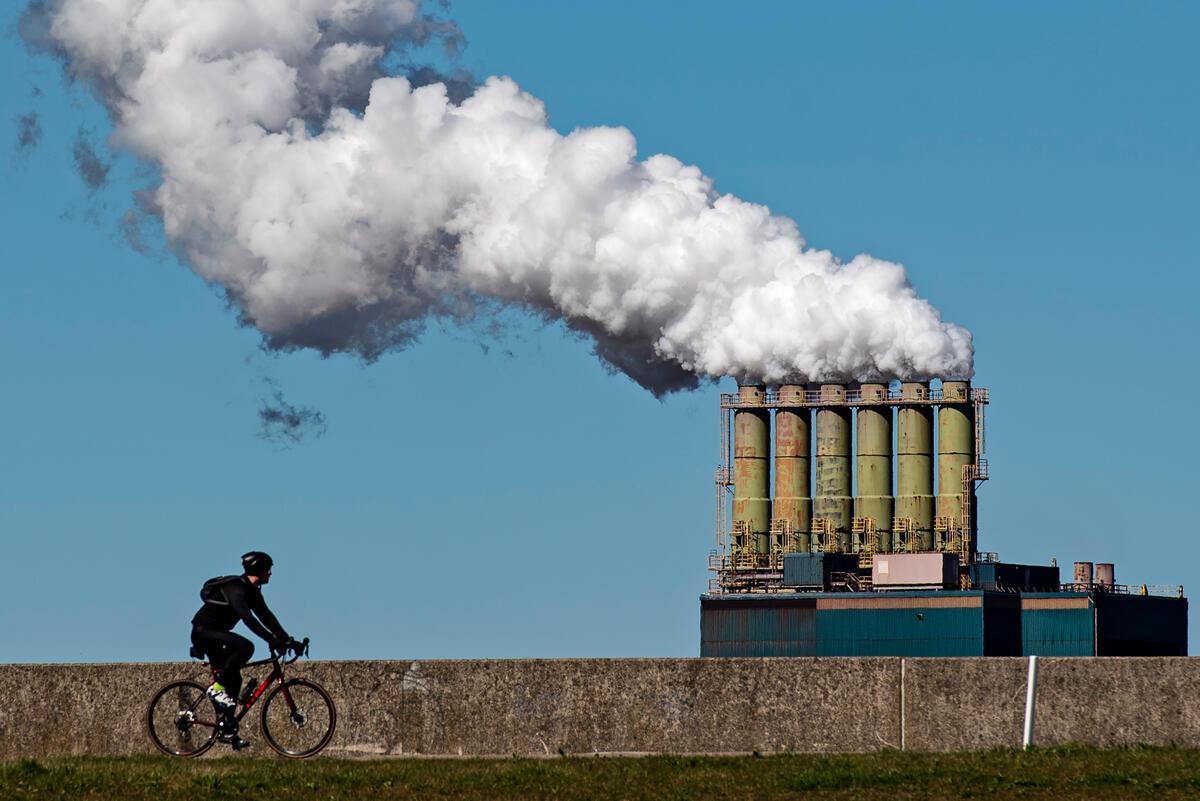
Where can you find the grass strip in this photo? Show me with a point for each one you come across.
(1055, 773)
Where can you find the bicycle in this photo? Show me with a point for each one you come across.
(297, 719)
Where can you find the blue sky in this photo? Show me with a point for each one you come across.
(1034, 166)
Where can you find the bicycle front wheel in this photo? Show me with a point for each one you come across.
(298, 718)
(181, 720)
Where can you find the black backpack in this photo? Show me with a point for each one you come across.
(213, 591)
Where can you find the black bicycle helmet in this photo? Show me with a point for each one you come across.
(256, 563)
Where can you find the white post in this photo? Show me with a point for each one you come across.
(901, 703)
(1030, 698)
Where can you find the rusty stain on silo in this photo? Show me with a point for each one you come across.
(752, 467)
(832, 499)
(793, 493)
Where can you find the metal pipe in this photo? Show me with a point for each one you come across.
(752, 469)
(793, 492)
(873, 476)
(956, 450)
(832, 500)
(914, 461)
(1030, 700)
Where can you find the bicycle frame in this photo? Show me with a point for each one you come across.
(276, 675)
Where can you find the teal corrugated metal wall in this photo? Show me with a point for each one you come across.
(931, 624)
(900, 632)
(1058, 632)
(771, 626)
(791, 630)
(758, 629)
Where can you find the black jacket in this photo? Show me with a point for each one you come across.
(240, 600)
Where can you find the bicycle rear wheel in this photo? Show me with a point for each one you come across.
(298, 718)
(181, 720)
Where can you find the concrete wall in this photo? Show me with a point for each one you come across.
(585, 706)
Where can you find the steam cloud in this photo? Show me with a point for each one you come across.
(91, 168)
(341, 207)
(29, 133)
(286, 425)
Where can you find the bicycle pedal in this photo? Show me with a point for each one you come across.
(237, 742)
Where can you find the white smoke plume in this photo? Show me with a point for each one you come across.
(341, 207)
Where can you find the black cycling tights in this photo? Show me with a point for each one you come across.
(227, 652)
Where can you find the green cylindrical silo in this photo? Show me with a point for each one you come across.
(752, 467)
(873, 494)
(832, 499)
(956, 450)
(914, 461)
(793, 493)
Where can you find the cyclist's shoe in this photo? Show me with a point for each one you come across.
(222, 699)
(227, 725)
(237, 742)
(247, 693)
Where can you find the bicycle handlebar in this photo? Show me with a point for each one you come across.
(298, 649)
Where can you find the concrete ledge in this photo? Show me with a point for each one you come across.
(621, 706)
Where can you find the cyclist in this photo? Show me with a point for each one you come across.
(227, 600)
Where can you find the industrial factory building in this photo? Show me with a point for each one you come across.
(835, 562)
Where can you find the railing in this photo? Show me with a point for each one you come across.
(1161, 590)
(850, 397)
(865, 542)
(904, 535)
(783, 536)
(824, 534)
(849, 581)
(724, 480)
(948, 532)
(980, 434)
